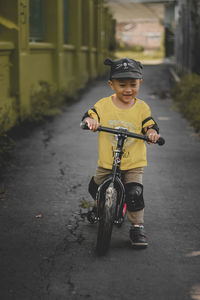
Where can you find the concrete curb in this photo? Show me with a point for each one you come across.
(174, 75)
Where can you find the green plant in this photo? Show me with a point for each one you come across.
(7, 145)
(186, 95)
(47, 101)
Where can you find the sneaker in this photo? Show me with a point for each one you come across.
(137, 236)
(92, 215)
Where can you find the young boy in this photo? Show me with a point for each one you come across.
(123, 109)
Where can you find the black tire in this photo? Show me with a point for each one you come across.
(105, 226)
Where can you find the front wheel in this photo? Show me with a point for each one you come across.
(123, 214)
(106, 218)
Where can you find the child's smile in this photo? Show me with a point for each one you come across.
(126, 91)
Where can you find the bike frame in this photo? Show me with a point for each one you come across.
(115, 179)
(111, 193)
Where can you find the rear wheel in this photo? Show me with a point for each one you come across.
(106, 218)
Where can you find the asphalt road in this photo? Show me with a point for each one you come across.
(46, 244)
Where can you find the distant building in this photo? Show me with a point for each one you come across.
(139, 24)
(145, 33)
(142, 22)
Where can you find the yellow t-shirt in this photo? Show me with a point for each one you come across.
(110, 115)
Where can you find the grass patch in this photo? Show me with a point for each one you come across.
(186, 95)
(140, 55)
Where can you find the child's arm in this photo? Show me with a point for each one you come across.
(152, 134)
(91, 117)
(150, 127)
(92, 123)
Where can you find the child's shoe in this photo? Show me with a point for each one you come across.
(92, 215)
(137, 236)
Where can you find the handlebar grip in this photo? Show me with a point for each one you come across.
(84, 125)
(161, 141)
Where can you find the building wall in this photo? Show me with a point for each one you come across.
(147, 34)
(61, 42)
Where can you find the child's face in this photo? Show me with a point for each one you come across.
(126, 89)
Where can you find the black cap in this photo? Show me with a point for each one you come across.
(124, 68)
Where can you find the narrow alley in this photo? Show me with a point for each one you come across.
(46, 243)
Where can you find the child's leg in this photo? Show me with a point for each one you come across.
(135, 202)
(136, 217)
(100, 176)
(130, 176)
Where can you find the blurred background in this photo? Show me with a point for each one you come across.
(159, 29)
(140, 29)
(50, 50)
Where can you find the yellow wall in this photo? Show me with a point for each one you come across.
(24, 63)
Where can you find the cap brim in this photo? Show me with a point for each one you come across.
(127, 75)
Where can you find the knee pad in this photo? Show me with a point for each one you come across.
(134, 196)
(92, 188)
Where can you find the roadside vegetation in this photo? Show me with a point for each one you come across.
(46, 103)
(6, 143)
(186, 95)
(6, 147)
(138, 53)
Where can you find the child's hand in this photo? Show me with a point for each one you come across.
(92, 124)
(153, 136)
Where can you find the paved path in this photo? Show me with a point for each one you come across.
(46, 245)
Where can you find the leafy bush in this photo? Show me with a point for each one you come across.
(6, 147)
(186, 94)
(47, 101)
(6, 143)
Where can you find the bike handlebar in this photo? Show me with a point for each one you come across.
(125, 132)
